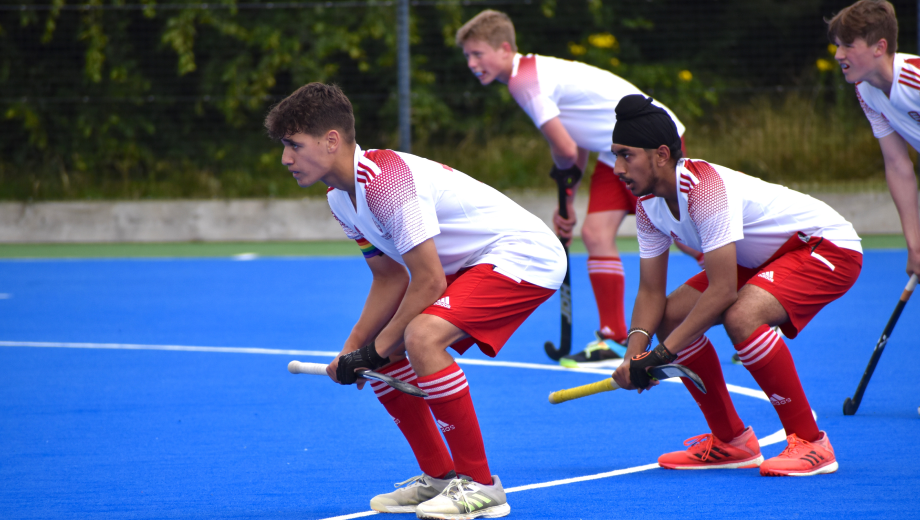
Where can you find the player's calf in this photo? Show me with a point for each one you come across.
(708, 452)
(802, 458)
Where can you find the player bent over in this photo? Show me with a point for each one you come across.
(479, 265)
(888, 88)
(573, 105)
(773, 257)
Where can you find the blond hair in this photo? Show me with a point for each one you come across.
(492, 27)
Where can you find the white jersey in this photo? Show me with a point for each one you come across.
(584, 98)
(899, 112)
(403, 200)
(719, 206)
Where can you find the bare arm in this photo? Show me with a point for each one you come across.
(566, 153)
(722, 292)
(387, 290)
(426, 286)
(902, 183)
(648, 311)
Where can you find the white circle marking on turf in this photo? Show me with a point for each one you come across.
(758, 394)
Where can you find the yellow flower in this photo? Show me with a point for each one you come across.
(576, 49)
(603, 41)
(832, 49)
(615, 62)
(685, 75)
(824, 65)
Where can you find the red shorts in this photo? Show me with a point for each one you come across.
(803, 277)
(609, 193)
(487, 305)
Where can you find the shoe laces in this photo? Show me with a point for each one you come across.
(705, 441)
(795, 444)
(457, 491)
(414, 481)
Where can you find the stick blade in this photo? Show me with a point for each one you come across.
(675, 370)
(402, 386)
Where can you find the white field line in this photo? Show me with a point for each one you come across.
(757, 394)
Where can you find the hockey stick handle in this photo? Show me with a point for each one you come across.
(313, 369)
(319, 369)
(561, 396)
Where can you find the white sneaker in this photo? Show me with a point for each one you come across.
(404, 500)
(465, 499)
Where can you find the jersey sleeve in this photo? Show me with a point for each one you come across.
(880, 125)
(533, 98)
(407, 216)
(708, 206)
(652, 242)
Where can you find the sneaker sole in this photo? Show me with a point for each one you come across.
(394, 509)
(489, 512)
(828, 468)
(743, 464)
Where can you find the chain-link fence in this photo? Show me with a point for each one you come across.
(152, 100)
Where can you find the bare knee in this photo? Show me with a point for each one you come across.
(595, 235)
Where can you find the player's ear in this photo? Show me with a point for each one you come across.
(663, 155)
(333, 141)
(505, 46)
(881, 47)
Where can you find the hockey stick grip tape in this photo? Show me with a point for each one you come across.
(911, 285)
(314, 369)
(562, 396)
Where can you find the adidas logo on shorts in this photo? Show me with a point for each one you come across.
(443, 302)
(444, 427)
(777, 400)
(767, 275)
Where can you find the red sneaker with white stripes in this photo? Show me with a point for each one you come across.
(708, 452)
(802, 458)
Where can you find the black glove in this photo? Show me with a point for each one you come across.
(365, 357)
(638, 365)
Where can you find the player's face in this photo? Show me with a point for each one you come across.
(856, 59)
(488, 63)
(307, 158)
(634, 167)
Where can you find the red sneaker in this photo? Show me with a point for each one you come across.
(802, 458)
(708, 452)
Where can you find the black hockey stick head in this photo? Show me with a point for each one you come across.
(554, 353)
(675, 370)
(402, 386)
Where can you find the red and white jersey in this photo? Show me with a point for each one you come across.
(584, 98)
(403, 200)
(899, 112)
(719, 206)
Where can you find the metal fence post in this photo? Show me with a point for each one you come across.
(404, 94)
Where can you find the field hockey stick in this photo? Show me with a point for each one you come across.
(565, 181)
(659, 373)
(319, 369)
(851, 404)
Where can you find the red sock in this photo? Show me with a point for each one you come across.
(413, 417)
(716, 404)
(608, 282)
(767, 358)
(450, 401)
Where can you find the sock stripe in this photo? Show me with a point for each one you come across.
(692, 349)
(445, 386)
(759, 348)
(401, 370)
(425, 385)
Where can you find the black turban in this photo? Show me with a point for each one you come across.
(640, 124)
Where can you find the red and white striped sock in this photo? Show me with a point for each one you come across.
(716, 403)
(768, 359)
(450, 401)
(413, 417)
(608, 282)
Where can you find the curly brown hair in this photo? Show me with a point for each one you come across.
(870, 20)
(313, 109)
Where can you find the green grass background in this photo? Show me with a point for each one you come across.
(313, 248)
